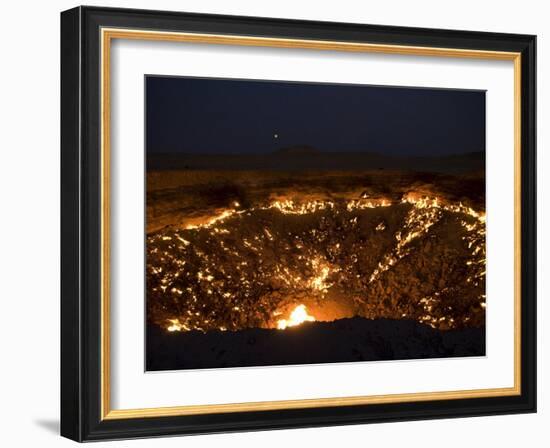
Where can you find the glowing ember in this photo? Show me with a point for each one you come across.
(297, 317)
(237, 268)
(175, 325)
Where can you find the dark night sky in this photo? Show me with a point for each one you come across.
(218, 116)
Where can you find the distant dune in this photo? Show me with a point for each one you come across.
(297, 150)
(306, 158)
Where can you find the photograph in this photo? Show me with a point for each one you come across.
(294, 222)
(285, 221)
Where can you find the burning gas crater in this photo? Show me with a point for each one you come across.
(298, 316)
(288, 262)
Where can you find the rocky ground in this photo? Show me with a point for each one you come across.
(176, 198)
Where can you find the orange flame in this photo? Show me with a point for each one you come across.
(298, 316)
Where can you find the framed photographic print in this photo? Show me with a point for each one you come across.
(273, 224)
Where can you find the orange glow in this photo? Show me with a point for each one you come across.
(176, 325)
(311, 272)
(297, 317)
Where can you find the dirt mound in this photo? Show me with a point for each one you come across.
(344, 340)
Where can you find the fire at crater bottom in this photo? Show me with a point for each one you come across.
(281, 263)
